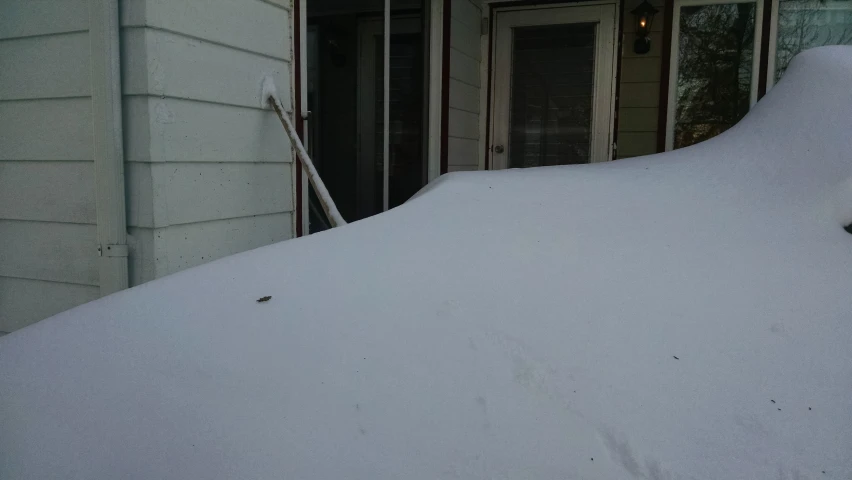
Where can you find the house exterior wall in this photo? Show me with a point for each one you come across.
(209, 172)
(48, 244)
(639, 92)
(465, 85)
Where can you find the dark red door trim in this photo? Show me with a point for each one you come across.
(297, 107)
(763, 74)
(445, 84)
(488, 90)
(619, 53)
(665, 65)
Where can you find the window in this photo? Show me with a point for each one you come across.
(714, 70)
(798, 25)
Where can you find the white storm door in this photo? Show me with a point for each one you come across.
(554, 86)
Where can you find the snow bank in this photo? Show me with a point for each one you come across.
(683, 315)
(267, 92)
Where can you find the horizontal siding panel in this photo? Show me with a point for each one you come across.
(59, 252)
(140, 264)
(24, 302)
(464, 97)
(285, 4)
(139, 194)
(632, 144)
(136, 116)
(45, 67)
(638, 120)
(640, 70)
(57, 129)
(250, 25)
(639, 95)
(656, 44)
(464, 68)
(466, 12)
(461, 151)
(463, 124)
(164, 64)
(465, 38)
(21, 18)
(159, 195)
(182, 246)
(48, 191)
(176, 130)
(199, 192)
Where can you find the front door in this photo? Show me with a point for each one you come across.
(554, 86)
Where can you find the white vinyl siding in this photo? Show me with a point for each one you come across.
(209, 171)
(48, 254)
(18, 308)
(166, 250)
(48, 191)
(464, 114)
(58, 252)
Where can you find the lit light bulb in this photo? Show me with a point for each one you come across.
(642, 23)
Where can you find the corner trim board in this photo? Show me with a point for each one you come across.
(108, 146)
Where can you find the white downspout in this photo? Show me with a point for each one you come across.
(108, 147)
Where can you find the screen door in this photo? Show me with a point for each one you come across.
(554, 82)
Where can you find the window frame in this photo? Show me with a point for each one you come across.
(671, 107)
(772, 47)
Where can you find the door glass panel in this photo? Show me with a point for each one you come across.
(345, 90)
(551, 95)
(334, 62)
(714, 73)
(406, 174)
(804, 24)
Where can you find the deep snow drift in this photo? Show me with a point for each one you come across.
(684, 315)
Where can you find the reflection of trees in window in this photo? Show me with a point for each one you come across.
(804, 24)
(715, 52)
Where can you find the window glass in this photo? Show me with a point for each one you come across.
(552, 85)
(804, 24)
(714, 71)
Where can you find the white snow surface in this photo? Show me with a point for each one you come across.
(500, 325)
(267, 91)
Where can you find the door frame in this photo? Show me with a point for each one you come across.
(671, 104)
(605, 13)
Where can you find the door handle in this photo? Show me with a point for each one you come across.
(498, 149)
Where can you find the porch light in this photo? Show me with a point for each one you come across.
(644, 15)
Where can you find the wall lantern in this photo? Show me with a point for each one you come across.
(644, 15)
